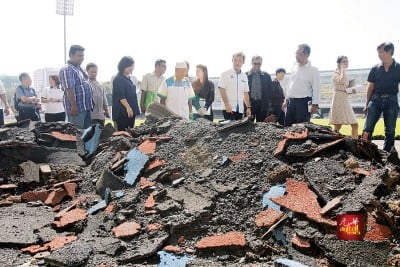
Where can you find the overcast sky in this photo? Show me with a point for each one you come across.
(203, 32)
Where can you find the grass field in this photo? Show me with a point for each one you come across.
(346, 129)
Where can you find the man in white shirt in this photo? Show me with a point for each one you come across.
(176, 92)
(150, 84)
(234, 90)
(302, 96)
(4, 107)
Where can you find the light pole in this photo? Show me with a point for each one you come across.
(65, 8)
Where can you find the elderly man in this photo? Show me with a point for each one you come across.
(75, 83)
(176, 92)
(26, 100)
(234, 90)
(150, 84)
(383, 86)
(302, 96)
(260, 85)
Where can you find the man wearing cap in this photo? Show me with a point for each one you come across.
(176, 92)
(234, 90)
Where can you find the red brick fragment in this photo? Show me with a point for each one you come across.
(327, 145)
(375, 231)
(150, 212)
(119, 163)
(71, 189)
(301, 199)
(72, 206)
(71, 217)
(109, 209)
(231, 239)
(55, 197)
(296, 136)
(57, 208)
(14, 199)
(148, 147)
(61, 184)
(64, 137)
(144, 183)
(118, 133)
(155, 164)
(361, 171)
(150, 202)
(238, 157)
(268, 217)
(56, 243)
(300, 241)
(173, 249)
(126, 229)
(154, 227)
(35, 196)
(8, 186)
(281, 147)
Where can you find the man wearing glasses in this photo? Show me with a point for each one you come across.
(260, 85)
(151, 83)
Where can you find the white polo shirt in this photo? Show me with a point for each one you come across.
(54, 107)
(235, 85)
(304, 81)
(177, 95)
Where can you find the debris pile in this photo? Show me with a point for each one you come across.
(176, 193)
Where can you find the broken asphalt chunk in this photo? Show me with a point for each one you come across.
(136, 162)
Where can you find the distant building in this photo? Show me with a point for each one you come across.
(9, 81)
(41, 78)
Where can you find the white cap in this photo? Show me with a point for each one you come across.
(180, 65)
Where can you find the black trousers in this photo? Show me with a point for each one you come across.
(297, 111)
(53, 117)
(28, 114)
(123, 123)
(258, 110)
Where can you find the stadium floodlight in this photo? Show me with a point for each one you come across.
(65, 8)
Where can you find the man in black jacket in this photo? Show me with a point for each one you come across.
(260, 85)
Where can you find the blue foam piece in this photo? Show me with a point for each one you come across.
(278, 234)
(169, 259)
(288, 263)
(101, 205)
(92, 135)
(136, 162)
(275, 191)
(119, 194)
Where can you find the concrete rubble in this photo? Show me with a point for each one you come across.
(177, 193)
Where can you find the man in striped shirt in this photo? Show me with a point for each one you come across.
(77, 90)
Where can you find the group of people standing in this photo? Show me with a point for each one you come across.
(77, 93)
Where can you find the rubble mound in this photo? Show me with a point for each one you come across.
(174, 193)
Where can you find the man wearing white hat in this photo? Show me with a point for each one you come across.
(176, 92)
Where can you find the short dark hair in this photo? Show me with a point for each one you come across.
(159, 62)
(55, 79)
(306, 49)
(75, 48)
(23, 75)
(279, 70)
(90, 65)
(125, 62)
(386, 46)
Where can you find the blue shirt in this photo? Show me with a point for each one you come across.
(73, 77)
(385, 82)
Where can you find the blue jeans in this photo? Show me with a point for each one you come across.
(389, 106)
(82, 120)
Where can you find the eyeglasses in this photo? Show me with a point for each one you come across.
(257, 64)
